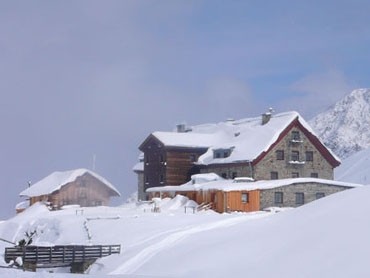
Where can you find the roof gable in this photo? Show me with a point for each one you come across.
(57, 180)
(299, 123)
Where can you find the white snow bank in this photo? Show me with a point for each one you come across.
(326, 238)
(176, 203)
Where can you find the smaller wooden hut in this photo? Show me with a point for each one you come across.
(78, 187)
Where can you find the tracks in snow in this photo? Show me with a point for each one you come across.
(133, 264)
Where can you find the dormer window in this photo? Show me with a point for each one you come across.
(221, 153)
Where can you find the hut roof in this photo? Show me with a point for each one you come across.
(57, 180)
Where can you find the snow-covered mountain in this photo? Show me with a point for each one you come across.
(345, 127)
(355, 168)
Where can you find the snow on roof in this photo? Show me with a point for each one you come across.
(245, 139)
(230, 185)
(56, 180)
(22, 205)
(186, 139)
(252, 138)
(139, 167)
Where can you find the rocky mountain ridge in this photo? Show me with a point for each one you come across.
(345, 127)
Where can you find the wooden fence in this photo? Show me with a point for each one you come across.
(59, 255)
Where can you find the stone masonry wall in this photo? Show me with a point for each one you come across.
(141, 190)
(267, 197)
(230, 171)
(285, 168)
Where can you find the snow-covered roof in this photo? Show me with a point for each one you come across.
(56, 180)
(245, 139)
(186, 139)
(139, 167)
(231, 185)
(22, 205)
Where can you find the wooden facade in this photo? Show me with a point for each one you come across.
(168, 165)
(234, 201)
(86, 191)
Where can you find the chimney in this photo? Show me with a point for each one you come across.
(267, 116)
(181, 128)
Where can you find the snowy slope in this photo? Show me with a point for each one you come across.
(355, 168)
(326, 238)
(345, 127)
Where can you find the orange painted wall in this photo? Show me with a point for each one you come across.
(232, 201)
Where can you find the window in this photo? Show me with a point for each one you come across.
(274, 175)
(299, 198)
(245, 197)
(314, 175)
(296, 136)
(279, 155)
(278, 198)
(295, 175)
(224, 175)
(82, 193)
(192, 158)
(161, 158)
(221, 153)
(161, 178)
(98, 203)
(309, 156)
(146, 158)
(146, 179)
(234, 175)
(295, 156)
(320, 195)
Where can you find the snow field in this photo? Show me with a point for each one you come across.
(325, 238)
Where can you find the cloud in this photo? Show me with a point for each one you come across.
(315, 92)
(229, 97)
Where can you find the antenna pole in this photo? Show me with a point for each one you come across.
(94, 162)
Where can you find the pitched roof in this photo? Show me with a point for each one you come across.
(247, 139)
(57, 180)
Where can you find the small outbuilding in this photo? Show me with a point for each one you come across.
(78, 187)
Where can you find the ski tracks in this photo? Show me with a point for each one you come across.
(133, 264)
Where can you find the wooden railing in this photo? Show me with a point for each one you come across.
(59, 255)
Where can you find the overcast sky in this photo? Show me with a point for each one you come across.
(85, 78)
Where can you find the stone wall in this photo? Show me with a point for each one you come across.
(286, 168)
(230, 171)
(141, 195)
(267, 196)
